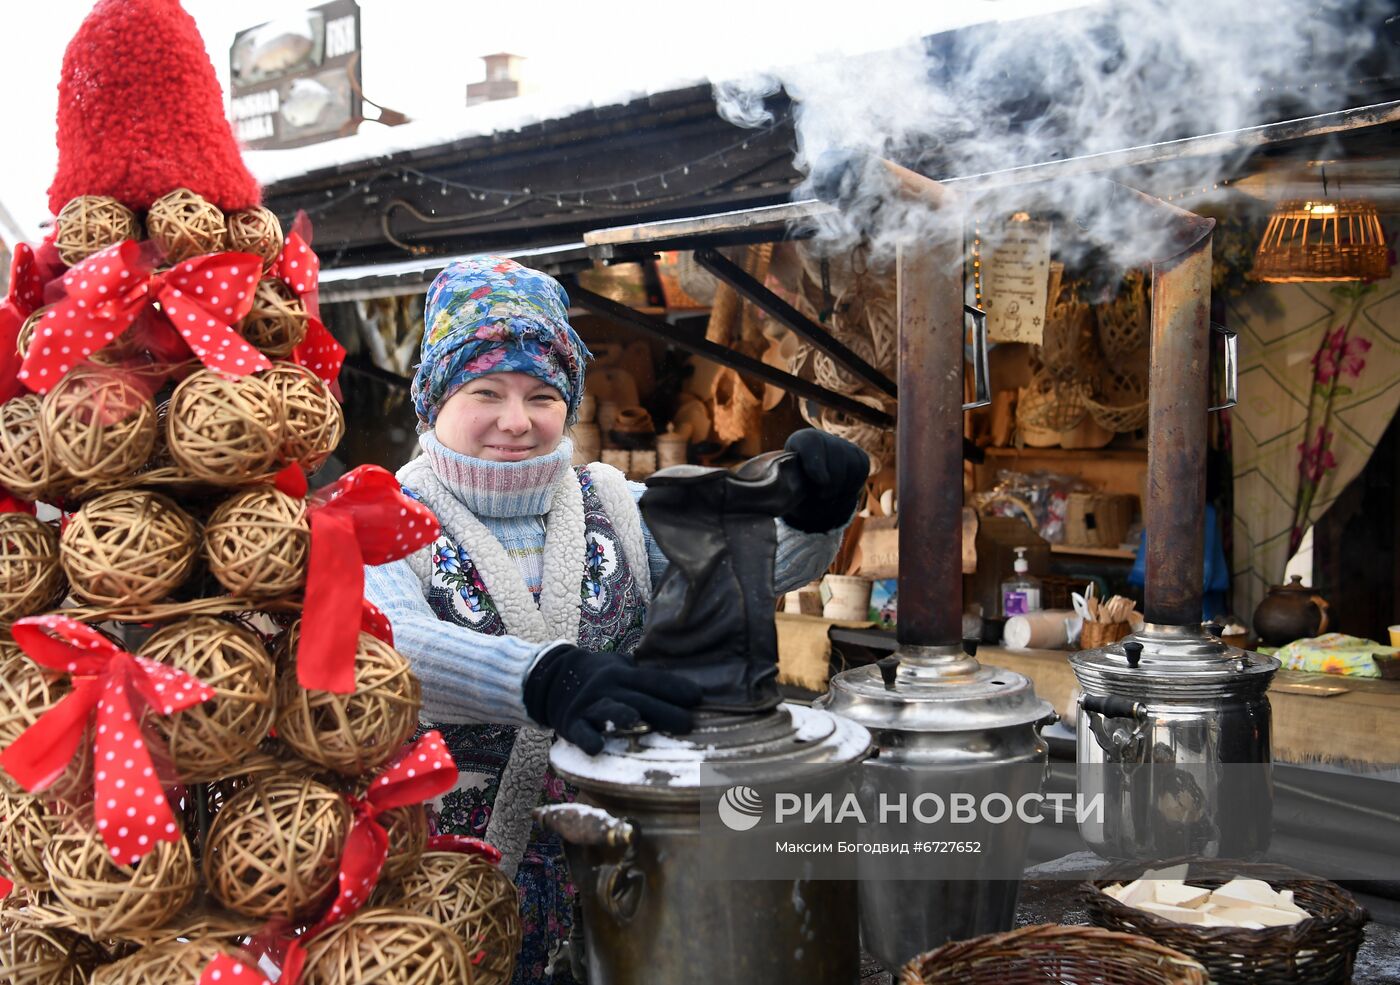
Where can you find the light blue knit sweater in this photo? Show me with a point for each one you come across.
(471, 677)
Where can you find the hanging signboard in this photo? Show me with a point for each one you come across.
(1015, 275)
(296, 80)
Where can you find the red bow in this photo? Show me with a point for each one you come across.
(105, 293)
(423, 770)
(228, 970)
(204, 298)
(131, 810)
(465, 845)
(361, 518)
(299, 268)
(26, 293)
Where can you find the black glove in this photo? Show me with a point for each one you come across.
(577, 692)
(835, 471)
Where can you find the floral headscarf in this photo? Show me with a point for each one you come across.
(491, 315)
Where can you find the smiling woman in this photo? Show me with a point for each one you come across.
(504, 417)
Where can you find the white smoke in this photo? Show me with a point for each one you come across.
(1099, 78)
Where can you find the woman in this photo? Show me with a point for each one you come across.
(519, 619)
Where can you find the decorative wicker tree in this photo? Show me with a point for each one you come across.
(168, 400)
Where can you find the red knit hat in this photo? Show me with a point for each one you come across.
(140, 112)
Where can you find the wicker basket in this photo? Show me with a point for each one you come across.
(1318, 951)
(1121, 404)
(1124, 322)
(1051, 404)
(1097, 519)
(1048, 953)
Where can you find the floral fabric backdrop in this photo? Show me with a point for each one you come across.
(1319, 383)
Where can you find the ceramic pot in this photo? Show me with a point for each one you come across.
(1290, 612)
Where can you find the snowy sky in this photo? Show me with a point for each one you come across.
(419, 55)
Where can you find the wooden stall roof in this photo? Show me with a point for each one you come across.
(377, 280)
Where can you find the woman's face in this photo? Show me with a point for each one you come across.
(503, 417)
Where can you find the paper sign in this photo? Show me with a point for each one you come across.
(1015, 270)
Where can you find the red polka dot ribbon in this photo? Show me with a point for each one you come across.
(321, 353)
(300, 269)
(465, 845)
(297, 265)
(130, 807)
(104, 294)
(422, 771)
(361, 518)
(26, 293)
(204, 298)
(228, 970)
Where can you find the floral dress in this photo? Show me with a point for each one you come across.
(612, 614)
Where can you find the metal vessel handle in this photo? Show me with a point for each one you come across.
(1112, 706)
(620, 885)
(1232, 366)
(981, 374)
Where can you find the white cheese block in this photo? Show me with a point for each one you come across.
(1113, 890)
(1180, 894)
(1264, 915)
(1139, 891)
(1179, 914)
(1246, 892)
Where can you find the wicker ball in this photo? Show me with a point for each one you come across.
(172, 962)
(46, 956)
(184, 225)
(407, 828)
(474, 900)
(349, 733)
(105, 898)
(214, 737)
(27, 690)
(274, 848)
(313, 422)
(27, 330)
(388, 947)
(26, 825)
(276, 324)
(98, 424)
(26, 467)
(257, 543)
(257, 231)
(90, 223)
(223, 431)
(30, 577)
(128, 548)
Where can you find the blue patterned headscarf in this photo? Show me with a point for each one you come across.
(491, 315)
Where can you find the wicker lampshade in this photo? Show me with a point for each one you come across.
(1322, 241)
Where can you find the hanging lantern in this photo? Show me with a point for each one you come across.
(1326, 240)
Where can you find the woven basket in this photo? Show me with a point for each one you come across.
(1121, 404)
(1070, 350)
(1097, 519)
(1050, 953)
(1318, 951)
(1124, 322)
(1051, 404)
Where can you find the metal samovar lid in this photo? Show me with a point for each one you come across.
(934, 689)
(768, 746)
(1174, 658)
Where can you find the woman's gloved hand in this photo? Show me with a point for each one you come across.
(836, 471)
(577, 692)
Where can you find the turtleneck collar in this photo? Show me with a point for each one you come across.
(498, 489)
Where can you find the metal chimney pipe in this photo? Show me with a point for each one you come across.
(930, 312)
(1178, 397)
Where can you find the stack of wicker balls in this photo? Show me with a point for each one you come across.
(105, 898)
(257, 542)
(184, 225)
(31, 579)
(215, 737)
(27, 468)
(174, 962)
(274, 847)
(349, 734)
(98, 423)
(90, 223)
(389, 947)
(128, 548)
(27, 691)
(224, 431)
(46, 956)
(313, 422)
(476, 902)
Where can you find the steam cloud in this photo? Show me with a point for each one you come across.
(1099, 78)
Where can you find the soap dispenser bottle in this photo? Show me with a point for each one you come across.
(1020, 593)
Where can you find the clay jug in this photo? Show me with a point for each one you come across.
(1290, 612)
